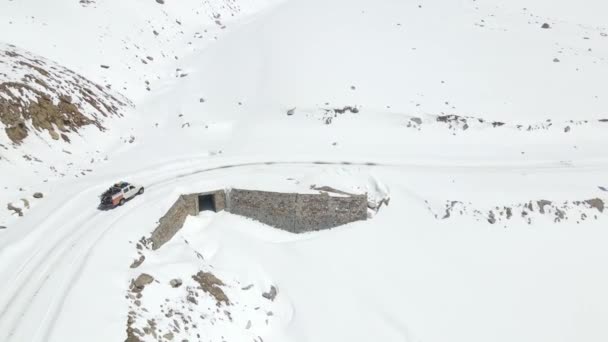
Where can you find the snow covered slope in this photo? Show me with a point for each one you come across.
(484, 121)
(38, 96)
(130, 38)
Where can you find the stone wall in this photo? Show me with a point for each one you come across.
(219, 200)
(296, 213)
(174, 219)
(272, 208)
(317, 212)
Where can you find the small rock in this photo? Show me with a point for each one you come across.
(556, 60)
(169, 335)
(176, 283)
(270, 295)
(38, 195)
(567, 129)
(416, 120)
(141, 282)
(2, 227)
(292, 111)
(546, 26)
(105, 66)
(491, 218)
(138, 262)
(160, 1)
(18, 211)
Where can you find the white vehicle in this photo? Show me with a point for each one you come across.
(119, 193)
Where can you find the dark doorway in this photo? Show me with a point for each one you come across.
(206, 203)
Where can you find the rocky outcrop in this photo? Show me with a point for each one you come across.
(37, 95)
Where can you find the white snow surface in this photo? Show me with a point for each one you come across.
(251, 102)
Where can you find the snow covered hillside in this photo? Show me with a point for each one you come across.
(484, 122)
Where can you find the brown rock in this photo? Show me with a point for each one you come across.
(140, 283)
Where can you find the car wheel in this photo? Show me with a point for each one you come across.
(122, 201)
(141, 191)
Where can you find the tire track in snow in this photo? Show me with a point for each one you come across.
(45, 260)
(64, 248)
(55, 309)
(17, 282)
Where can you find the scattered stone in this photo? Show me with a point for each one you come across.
(162, 2)
(291, 111)
(168, 336)
(248, 287)
(546, 26)
(105, 66)
(270, 295)
(556, 60)
(567, 129)
(2, 227)
(176, 283)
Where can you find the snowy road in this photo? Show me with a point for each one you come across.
(42, 269)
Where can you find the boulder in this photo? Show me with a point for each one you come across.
(140, 283)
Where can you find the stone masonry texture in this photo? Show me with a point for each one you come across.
(173, 220)
(296, 213)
